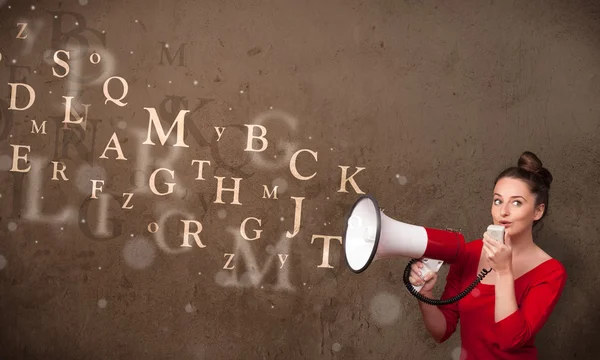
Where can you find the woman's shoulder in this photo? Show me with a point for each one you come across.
(553, 267)
(471, 253)
(549, 263)
(475, 243)
(474, 247)
(550, 275)
(547, 269)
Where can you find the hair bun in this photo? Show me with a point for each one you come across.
(530, 162)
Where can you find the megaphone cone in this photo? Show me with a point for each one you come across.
(369, 235)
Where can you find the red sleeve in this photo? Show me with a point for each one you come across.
(521, 326)
(452, 288)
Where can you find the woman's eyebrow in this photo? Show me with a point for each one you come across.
(515, 196)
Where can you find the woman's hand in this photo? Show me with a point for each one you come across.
(499, 255)
(416, 279)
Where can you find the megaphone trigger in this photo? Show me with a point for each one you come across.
(430, 266)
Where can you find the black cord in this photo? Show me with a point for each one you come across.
(451, 300)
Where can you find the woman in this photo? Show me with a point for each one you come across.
(500, 317)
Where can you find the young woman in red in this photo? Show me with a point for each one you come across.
(502, 314)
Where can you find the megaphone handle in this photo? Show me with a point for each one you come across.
(431, 266)
(429, 301)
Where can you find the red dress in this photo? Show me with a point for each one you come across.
(537, 292)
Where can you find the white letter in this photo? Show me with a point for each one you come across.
(220, 189)
(226, 267)
(294, 169)
(23, 26)
(152, 183)
(297, 217)
(219, 133)
(110, 98)
(16, 157)
(282, 259)
(117, 148)
(326, 240)
(61, 63)
(200, 167)
(127, 201)
(267, 194)
(57, 170)
(154, 120)
(351, 179)
(186, 233)
(69, 110)
(37, 129)
(260, 137)
(243, 229)
(94, 188)
(13, 96)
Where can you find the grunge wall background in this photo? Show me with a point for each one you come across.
(419, 103)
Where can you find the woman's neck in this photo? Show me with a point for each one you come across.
(522, 244)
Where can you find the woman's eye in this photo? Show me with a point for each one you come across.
(517, 202)
(497, 201)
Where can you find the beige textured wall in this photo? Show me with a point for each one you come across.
(432, 98)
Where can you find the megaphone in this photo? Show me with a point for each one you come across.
(370, 235)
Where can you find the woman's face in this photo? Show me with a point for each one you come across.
(514, 207)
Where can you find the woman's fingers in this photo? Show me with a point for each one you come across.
(415, 281)
(489, 248)
(489, 253)
(419, 275)
(417, 270)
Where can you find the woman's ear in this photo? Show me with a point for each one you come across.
(539, 211)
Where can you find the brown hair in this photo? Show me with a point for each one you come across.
(530, 169)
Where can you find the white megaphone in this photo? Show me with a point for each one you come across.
(371, 235)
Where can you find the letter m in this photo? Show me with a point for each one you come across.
(154, 121)
(267, 194)
(165, 51)
(254, 274)
(36, 129)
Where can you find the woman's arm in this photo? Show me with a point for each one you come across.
(522, 324)
(434, 319)
(440, 320)
(506, 302)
